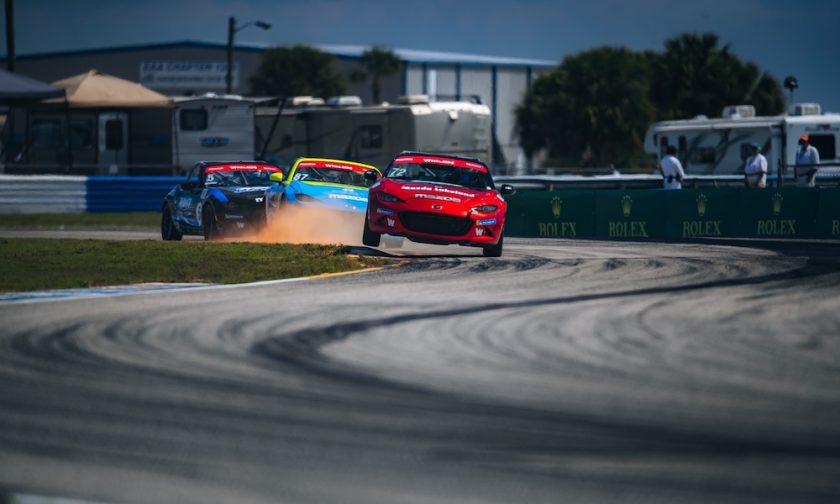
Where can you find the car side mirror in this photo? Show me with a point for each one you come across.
(506, 189)
(276, 177)
(371, 176)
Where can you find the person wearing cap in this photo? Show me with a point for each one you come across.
(807, 159)
(671, 169)
(755, 169)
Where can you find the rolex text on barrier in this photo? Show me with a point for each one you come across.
(687, 214)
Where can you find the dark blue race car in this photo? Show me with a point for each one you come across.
(217, 199)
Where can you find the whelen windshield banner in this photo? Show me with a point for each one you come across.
(443, 161)
(334, 165)
(241, 167)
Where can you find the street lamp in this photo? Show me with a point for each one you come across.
(791, 83)
(232, 29)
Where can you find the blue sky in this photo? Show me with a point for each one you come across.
(781, 37)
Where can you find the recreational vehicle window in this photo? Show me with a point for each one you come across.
(825, 144)
(702, 155)
(46, 133)
(193, 119)
(370, 137)
(682, 147)
(82, 133)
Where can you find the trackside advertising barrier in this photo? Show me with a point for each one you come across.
(634, 214)
(128, 194)
(676, 215)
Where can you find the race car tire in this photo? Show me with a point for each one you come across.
(211, 226)
(168, 231)
(494, 250)
(271, 213)
(370, 238)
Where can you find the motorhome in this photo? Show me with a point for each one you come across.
(720, 146)
(169, 140)
(166, 140)
(212, 127)
(343, 128)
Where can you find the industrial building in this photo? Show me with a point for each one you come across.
(197, 67)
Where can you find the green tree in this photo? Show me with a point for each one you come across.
(694, 75)
(379, 62)
(595, 108)
(297, 71)
(592, 110)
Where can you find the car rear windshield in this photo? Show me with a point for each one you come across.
(331, 175)
(228, 178)
(441, 174)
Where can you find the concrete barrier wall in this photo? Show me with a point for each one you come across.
(676, 215)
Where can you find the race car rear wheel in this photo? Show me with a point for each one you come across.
(168, 231)
(494, 250)
(211, 226)
(370, 238)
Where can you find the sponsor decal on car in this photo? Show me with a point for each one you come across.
(347, 197)
(437, 189)
(336, 166)
(238, 190)
(487, 222)
(437, 197)
(241, 167)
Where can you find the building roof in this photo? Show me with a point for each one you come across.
(341, 51)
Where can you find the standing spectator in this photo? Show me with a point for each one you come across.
(671, 169)
(755, 169)
(807, 159)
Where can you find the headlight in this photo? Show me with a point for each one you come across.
(306, 198)
(485, 209)
(389, 198)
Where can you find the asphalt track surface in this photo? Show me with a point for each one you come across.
(565, 371)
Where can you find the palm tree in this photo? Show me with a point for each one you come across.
(378, 62)
(297, 70)
(697, 76)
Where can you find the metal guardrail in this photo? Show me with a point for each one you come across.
(76, 194)
(42, 194)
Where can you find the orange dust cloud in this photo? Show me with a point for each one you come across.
(294, 224)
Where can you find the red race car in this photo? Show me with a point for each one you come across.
(438, 199)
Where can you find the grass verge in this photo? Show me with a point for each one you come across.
(129, 221)
(40, 264)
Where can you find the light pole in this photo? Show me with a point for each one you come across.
(791, 83)
(232, 29)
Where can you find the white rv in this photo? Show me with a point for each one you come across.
(212, 127)
(720, 146)
(372, 134)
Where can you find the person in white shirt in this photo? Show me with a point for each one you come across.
(807, 159)
(671, 168)
(755, 169)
